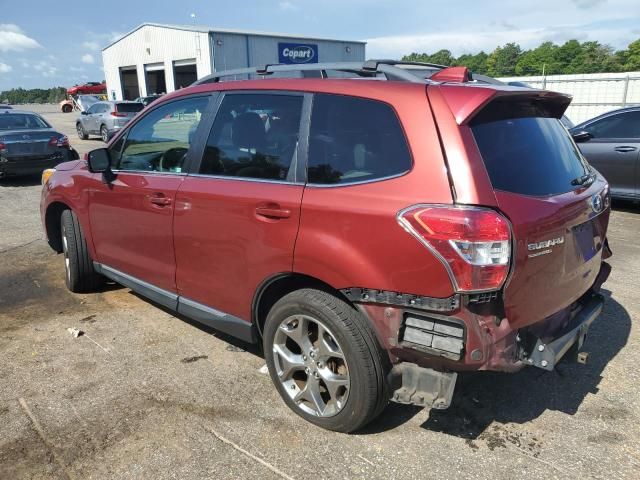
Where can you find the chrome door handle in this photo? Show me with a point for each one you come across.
(625, 149)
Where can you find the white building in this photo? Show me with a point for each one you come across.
(157, 58)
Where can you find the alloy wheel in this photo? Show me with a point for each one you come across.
(311, 366)
(65, 252)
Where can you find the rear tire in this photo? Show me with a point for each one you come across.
(82, 134)
(325, 360)
(104, 134)
(80, 276)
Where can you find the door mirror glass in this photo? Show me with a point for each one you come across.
(84, 112)
(581, 136)
(99, 160)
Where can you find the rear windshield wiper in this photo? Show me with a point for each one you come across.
(585, 179)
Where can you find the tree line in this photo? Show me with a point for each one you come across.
(33, 95)
(571, 57)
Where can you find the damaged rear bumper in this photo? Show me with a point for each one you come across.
(546, 355)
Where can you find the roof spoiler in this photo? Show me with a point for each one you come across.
(483, 104)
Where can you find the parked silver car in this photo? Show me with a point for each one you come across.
(105, 118)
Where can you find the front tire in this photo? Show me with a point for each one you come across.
(325, 360)
(80, 277)
(82, 134)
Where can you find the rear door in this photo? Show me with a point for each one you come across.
(237, 214)
(557, 205)
(132, 217)
(614, 150)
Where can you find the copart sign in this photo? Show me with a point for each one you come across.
(292, 53)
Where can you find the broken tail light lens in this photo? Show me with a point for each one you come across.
(474, 244)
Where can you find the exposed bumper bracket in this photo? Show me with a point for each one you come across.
(423, 387)
(547, 355)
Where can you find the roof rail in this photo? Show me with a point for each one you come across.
(369, 68)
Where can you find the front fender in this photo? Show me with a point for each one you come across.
(68, 187)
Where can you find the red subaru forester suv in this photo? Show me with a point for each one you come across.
(376, 234)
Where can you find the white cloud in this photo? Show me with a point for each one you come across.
(76, 69)
(12, 38)
(588, 3)
(113, 36)
(287, 5)
(87, 58)
(469, 41)
(91, 45)
(4, 68)
(45, 69)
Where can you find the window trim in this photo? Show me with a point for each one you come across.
(298, 163)
(361, 182)
(603, 117)
(196, 139)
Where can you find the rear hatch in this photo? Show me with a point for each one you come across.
(556, 203)
(126, 111)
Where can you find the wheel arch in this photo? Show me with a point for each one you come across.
(274, 288)
(52, 224)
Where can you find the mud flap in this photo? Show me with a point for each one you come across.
(424, 387)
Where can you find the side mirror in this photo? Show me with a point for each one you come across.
(581, 136)
(99, 160)
(84, 112)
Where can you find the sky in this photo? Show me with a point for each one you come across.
(46, 43)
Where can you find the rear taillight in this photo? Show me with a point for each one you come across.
(118, 114)
(61, 141)
(473, 243)
(3, 146)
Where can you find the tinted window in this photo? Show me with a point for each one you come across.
(530, 156)
(159, 142)
(19, 121)
(254, 136)
(95, 108)
(354, 140)
(129, 107)
(621, 125)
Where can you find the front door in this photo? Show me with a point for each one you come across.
(90, 119)
(237, 216)
(614, 151)
(132, 217)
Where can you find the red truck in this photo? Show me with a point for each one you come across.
(375, 237)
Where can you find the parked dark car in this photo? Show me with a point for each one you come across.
(4, 106)
(28, 144)
(375, 237)
(611, 143)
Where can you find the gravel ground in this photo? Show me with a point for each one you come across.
(146, 394)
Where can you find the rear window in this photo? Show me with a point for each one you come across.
(132, 107)
(354, 140)
(529, 156)
(21, 121)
